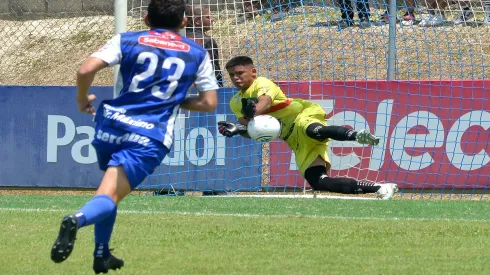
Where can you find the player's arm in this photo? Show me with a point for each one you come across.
(265, 93)
(108, 55)
(263, 105)
(85, 78)
(230, 129)
(203, 102)
(206, 84)
(243, 121)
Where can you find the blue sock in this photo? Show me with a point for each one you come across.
(103, 232)
(96, 210)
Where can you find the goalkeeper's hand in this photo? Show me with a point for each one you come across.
(229, 129)
(248, 107)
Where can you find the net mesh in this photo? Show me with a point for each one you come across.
(437, 106)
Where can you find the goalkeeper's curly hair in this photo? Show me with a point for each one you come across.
(166, 14)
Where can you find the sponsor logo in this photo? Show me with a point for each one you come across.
(163, 43)
(166, 35)
(427, 137)
(118, 114)
(114, 109)
(198, 146)
(128, 137)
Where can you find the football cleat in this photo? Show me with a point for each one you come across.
(102, 265)
(63, 246)
(386, 191)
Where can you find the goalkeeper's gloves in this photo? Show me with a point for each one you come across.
(248, 107)
(229, 129)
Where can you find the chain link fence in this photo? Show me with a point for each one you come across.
(44, 41)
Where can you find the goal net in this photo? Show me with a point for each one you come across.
(432, 118)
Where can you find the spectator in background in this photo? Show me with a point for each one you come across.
(251, 8)
(347, 13)
(467, 13)
(407, 19)
(436, 13)
(199, 21)
(278, 9)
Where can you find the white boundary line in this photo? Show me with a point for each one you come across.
(215, 214)
(294, 196)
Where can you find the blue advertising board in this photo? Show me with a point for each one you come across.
(46, 143)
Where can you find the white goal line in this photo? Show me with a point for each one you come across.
(244, 215)
(293, 196)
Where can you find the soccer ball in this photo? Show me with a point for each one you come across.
(264, 128)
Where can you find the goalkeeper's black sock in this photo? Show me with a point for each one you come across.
(319, 181)
(321, 132)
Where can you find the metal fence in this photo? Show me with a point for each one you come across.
(44, 41)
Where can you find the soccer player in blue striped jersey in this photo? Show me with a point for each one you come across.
(134, 131)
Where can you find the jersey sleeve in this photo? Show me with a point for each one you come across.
(266, 87)
(110, 52)
(205, 77)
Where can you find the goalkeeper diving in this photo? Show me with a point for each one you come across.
(304, 129)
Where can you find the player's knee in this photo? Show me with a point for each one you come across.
(314, 174)
(115, 184)
(313, 131)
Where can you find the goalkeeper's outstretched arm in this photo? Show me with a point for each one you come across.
(243, 121)
(230, 129)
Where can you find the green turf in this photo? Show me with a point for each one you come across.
(189, 235)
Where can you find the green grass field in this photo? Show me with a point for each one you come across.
(192, 235)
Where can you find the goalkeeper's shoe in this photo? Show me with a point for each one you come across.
(63, 246)
(365, 137)
(102, 265)
(386, 191)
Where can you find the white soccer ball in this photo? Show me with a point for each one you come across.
(264, 128)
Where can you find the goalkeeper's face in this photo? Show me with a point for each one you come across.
(242, 76)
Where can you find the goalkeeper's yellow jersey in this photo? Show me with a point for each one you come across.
(295, 115)
(282, 107)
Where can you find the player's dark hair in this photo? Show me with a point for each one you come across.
(166, 14)
(239, 61)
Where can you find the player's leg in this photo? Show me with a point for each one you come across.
(313, 124)
(312, 156)
(126, 169)
(316, 175)
(97, 209)
(346, 11)
(103, 259)
(134, 163)
(321, 132)
(313, 160)
(101, 210)
(363, 10)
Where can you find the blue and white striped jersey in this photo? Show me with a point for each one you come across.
(157, 69)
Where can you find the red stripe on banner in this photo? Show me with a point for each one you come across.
(279, 106)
